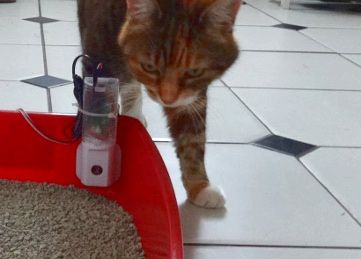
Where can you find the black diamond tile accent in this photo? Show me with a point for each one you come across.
(41, 20)
(46, 81)
(290, 26)
(285, 145)
(244, 3)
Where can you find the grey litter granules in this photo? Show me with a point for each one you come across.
(49, 221)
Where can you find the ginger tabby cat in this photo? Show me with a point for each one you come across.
(175, 48)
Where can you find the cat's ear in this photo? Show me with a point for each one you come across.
(222, 12)
(142, 9)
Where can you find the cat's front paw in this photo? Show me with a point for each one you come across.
(211, 197)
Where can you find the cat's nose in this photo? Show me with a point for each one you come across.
(168, 99)
(168, 94)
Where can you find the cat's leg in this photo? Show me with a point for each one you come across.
(187, 127)
(131, 98)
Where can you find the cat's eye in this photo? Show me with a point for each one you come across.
(195, 72)
(150, 68)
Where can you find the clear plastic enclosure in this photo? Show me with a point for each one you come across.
(100, 111)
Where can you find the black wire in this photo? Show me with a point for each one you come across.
(79, 88)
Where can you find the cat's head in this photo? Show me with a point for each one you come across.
(176, 48)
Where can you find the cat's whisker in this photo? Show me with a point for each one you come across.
(194, 118)
(198, 116)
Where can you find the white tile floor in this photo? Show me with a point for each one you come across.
(300, 84)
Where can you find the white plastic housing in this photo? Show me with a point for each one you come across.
(98, 166)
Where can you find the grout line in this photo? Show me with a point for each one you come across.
(43, 42)
(274, 246)
(335, 28)
(227, 143)
(267, 14)
(329, 192)
(241, 50)
(221, 80)
(253, 143)
(9, 80)
(50, 104)
(55, 45)
(249, 87)
(333, 51)
(294, 89)
(254, 114)
(58, 45)
(160, 140)
(318, 42)
(307, 27)
(345, 147)
(254, 25)
(289, 51)
(45, 60)
(348, 59)
(20, 44)
(68, 21)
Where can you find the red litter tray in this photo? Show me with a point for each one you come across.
(144, 189)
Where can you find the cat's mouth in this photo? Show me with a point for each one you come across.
(180, 102)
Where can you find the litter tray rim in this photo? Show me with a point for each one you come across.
(160, 171)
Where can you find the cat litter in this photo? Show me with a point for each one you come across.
(51, 221)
